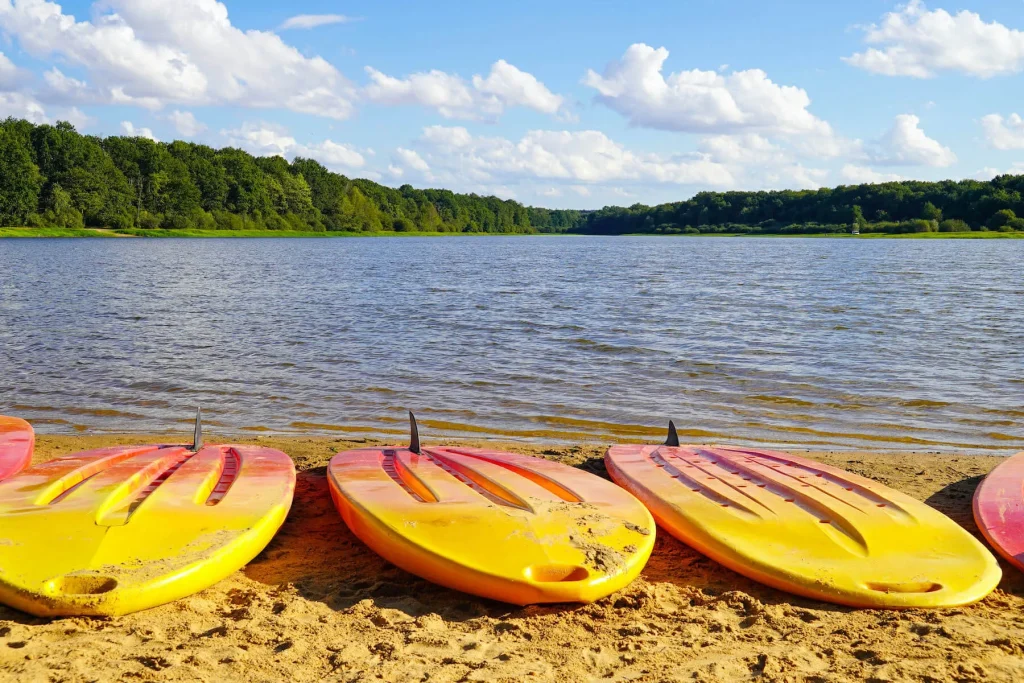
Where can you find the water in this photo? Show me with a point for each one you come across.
(790, 342)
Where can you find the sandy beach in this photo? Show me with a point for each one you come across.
(318, 605)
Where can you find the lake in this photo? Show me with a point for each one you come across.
(816, 343)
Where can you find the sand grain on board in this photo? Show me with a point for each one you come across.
(318, 605)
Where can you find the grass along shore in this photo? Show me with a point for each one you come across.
(164, 233)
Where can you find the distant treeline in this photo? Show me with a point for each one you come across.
(52, 176)
(896, 207)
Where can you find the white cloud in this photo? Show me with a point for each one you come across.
(307, 21)
(9, 74)
(988, 173)
(186, 123)
(268, 139)
(157, 52)
(906, 144)
(702, 101)
(1004, 133)
(549, 192)
(21, 106)
(456, 157)
(516, 88)
(129, 129)
(860, 175)
(411, 160)
(748, 148)
(918, 42)
(759, 163)
(581, 190)
(455, 98)
(61, 87)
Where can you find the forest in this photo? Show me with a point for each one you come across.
(894, 207)
(54, 177)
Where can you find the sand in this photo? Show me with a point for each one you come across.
(318, 605)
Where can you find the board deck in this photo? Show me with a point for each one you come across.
(999, 509)
(508, 527)
(805, 527)
(17, 440)
(117, 530)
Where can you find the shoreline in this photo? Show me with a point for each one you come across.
(105, 233)
(317, 604)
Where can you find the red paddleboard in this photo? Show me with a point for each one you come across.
(999, 509)
(16, 442)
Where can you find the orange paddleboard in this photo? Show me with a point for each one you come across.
(807, 528)
(509, 527)
(16, 443)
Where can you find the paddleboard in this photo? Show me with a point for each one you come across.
(807, 528)
(16, 443)
(999, 509)
(509, 527)
(117, 530)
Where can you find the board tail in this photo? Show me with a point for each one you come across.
(673, 438)
(414, 434)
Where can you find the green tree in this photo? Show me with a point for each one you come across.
(20, 180)
(1001, 219)
(930, 212)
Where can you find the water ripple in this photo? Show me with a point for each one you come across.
(818, 343)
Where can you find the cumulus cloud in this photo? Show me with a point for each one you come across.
(1004, 133)
(914, 41)
(9, 74)
(410, 159)
(307, 21)
(988, 173)
(152, 53)
(186, 123)
(21, 106)
(852, 174)
(906, 144)
(702, 101)
(453, 155)
(482, 98)
(268, 139)
(129, 129)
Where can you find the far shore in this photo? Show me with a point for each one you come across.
(160, 233)
(318, 605)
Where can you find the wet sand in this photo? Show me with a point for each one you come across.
(318, 605)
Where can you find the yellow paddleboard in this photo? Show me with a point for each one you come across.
(509, 527)
(116, 530)
(807, 528)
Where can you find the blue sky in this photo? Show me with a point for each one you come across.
(562, 104)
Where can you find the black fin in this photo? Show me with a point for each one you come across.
(673, 438)
(197, 436)
(414, 434)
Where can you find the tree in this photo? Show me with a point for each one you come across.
(20, 180)
(930, 212)
(857, 217)
(1001, 218)
(60, 211)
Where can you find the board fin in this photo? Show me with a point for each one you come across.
(414, 434)
(197, 436)
(673, 438)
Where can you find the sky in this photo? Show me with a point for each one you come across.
(564, 104)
